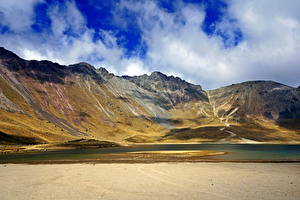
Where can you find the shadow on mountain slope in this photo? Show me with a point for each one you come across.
(13, 139)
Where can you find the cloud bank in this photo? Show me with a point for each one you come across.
(174, 42)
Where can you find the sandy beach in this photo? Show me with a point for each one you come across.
(151, 181)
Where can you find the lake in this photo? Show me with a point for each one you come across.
(236, 152)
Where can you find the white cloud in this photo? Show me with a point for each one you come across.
(33, 55)
(65, 48)
(269, 49)
(272, 40)
(183, 47)
(17, 14)
(66, 17)
(134, 67)
(176, 43)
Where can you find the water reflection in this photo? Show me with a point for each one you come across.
(236, 152)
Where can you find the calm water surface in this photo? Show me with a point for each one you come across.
(236, 152)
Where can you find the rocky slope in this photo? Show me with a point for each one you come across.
(42, 102)
(266, 99)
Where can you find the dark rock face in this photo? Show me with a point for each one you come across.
(5, 54)
(176, 89)
(41, 71)
(11, 60)
(104, 73)
(46, 71)
(86, 70)
(83, 68)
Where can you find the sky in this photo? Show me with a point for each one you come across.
(212, 43)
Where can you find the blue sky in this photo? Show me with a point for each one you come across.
(208, 42)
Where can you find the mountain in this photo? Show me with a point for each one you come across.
(266, 99)
(172, 88)
(44, 102)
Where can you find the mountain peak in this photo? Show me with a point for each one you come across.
(83, 65)
(104, 73)
(175, 88)
(6, 54)
(257, 84)
(83, 68)
(158, 75)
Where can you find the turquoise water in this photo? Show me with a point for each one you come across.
(244, 152)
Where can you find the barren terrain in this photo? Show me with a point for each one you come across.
(151, 181)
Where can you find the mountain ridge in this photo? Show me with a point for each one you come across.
(9, 54)
(50, 102)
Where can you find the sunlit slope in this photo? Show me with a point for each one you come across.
(73, 101)
(42, 101)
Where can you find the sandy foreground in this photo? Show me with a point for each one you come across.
(151, 181)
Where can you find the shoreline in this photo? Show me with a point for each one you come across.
(12, 149)
(94, 162)
(148, 158)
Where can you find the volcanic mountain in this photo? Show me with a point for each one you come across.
(44, 102)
